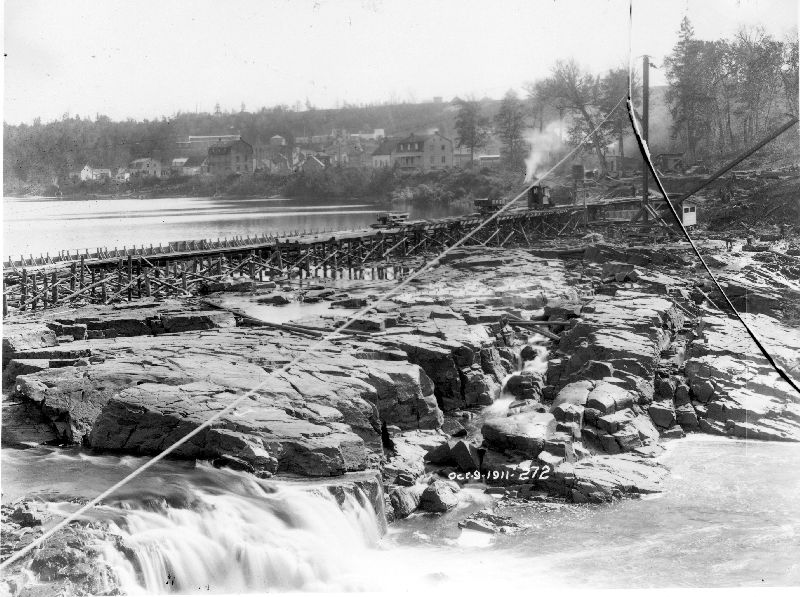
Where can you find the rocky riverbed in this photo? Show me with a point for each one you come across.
(551, 375)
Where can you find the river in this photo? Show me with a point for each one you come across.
(727, 517)
(42, 225)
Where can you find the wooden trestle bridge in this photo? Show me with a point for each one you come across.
(190, 267)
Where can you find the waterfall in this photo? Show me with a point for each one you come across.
(500, 406)
(237, 535)
(538, 364)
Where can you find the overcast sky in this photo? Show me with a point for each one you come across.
(152, 58)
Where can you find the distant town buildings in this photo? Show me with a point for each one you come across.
(197, 145)
(191, 166)
(226, 155)
(423, 152)
(230, 157)
(382, 157)
(90, 173)
(145, 168)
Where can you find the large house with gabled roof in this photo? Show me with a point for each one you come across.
(423, 152)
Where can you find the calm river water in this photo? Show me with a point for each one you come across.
(41, 225)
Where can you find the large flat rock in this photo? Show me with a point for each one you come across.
(525, 433)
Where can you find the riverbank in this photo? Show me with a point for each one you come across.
(443, 389)
(374, 184)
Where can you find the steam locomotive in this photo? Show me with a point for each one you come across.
(538, 198)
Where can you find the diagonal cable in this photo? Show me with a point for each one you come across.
(302, 356)
(646, 154)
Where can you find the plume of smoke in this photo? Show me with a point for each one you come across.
(543, 146)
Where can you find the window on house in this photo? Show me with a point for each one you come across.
(443, 161)
(431, 160)
(442, 147)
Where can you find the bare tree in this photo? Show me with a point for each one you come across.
(580, 93)
(472, 128)
(509, 124)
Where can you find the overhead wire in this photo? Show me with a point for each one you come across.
(645, 151)
(296, 360)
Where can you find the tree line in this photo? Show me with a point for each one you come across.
(722, 96)
(570, 93)
(43, 152)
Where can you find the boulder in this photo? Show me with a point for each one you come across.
(440, 454)
(453, 428)
(24, 337)
(527, 385)
(439, 496)
(682, 394)
(487, 522)
(478, 388)
(674, 432)
(665, 388)
(568, 413)
(607, 397)
(466, 456)
(576, 393)
(405, 395)
(702, 390)
(525, 432)
(404, 500)
(644, 426)
(275, 298)
(686, 416)
(627, 438)
(662, 413)
(614, 422)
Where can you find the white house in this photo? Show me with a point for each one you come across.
(89, 173)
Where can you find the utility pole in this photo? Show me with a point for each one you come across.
(645, 130)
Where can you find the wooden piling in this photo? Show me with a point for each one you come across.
(130, 278)
(54, 286)
(72, 277)
(24, 290)
(139, 277)
(44, 291)
(34, 290)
